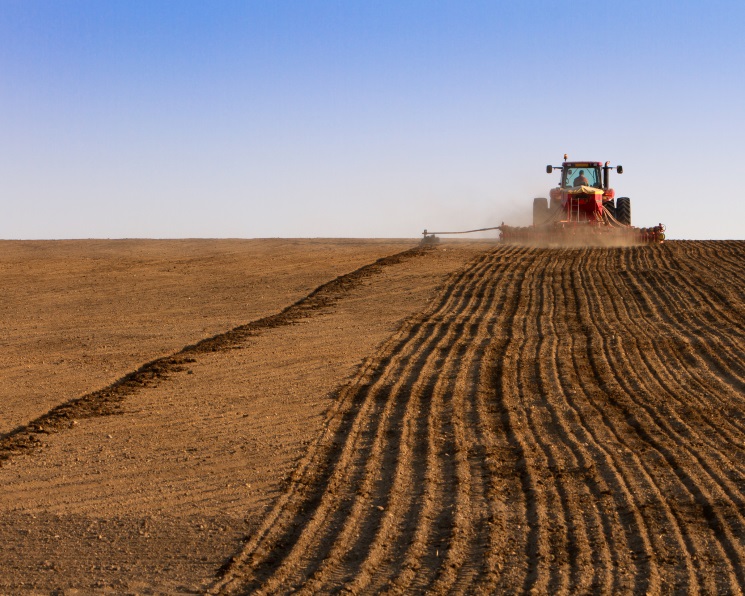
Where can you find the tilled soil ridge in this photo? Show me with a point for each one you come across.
(558, 421)
(107, 401)
(77, 315)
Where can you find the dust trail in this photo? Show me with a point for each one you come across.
(581, 240)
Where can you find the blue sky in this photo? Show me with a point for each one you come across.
(168, 119)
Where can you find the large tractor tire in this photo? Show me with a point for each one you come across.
(555, 204)
(610, 207)
(540, 211)
(623, 210)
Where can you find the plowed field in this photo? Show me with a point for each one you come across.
(469, 418)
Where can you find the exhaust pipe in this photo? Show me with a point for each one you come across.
(606, 167)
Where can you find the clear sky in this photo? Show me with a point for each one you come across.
(376, 118)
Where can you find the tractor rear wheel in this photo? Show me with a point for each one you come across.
(555, 204)
(540, 211)
(623, 210)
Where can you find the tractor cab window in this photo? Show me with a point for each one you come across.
(582, 176)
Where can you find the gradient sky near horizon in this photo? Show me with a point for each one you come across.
(270, 118)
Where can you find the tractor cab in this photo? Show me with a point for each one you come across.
(583, 174)
(586, 173)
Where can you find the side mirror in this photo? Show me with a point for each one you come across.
(619, 169)
(549, 169)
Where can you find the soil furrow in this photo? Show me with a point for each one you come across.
(400, 493)
(565, 532)
(460, 283)
(718, 320)
(724, 258)
(649, 501)
(655, 406)
(638, 412)
(685, 386)
(429, 501)
(434, 505)
(651, 308)
(280, 524)
(619, 317)
(620, 526)
(699, 376)
(669, 371)
(691, 324)
(440, 443)
(456, 564)
(590, 550)
(542, 493)
(527, 433)
(711, 486)
(513, 518)
(478, 445)
(394, 485)
(696, 278)
(360, 443)
(422, 538)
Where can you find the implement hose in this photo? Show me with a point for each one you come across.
(426, 233)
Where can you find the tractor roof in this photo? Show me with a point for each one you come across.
(581, 164)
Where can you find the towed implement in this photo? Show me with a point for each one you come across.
(583, 209)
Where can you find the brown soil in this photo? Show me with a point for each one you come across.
(221, 365)
(467, 418)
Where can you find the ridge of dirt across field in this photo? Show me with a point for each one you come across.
(156, 498)
(107, 401)
(558, 421)
(76, 316)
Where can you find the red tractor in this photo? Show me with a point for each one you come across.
(583, 209)
(583, 195)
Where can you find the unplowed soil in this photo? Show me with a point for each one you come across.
(464, 418)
